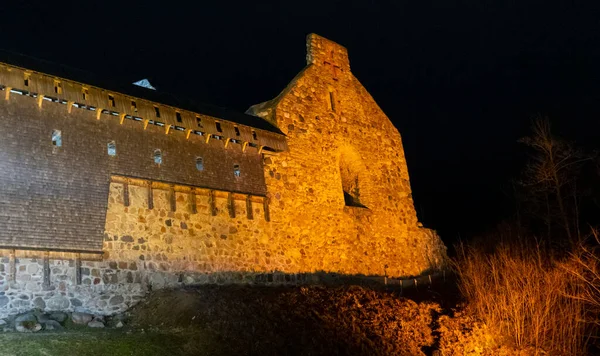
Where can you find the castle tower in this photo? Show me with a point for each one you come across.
(342, 189)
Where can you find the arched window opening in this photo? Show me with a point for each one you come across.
(236, 170)
(157, 156)
(111, 148)
(199, 163)
(350, 169)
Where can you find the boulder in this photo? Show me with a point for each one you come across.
(39, 303)
(4, 300)
(53, 325)
(41, 317)
(119, 324)
(58, 316)
(95, 324)
(81, 318)
(57, 303)
(27, 323)
(25, 317)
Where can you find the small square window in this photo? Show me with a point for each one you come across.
(158, 156)
(254, 137)
(133, 106)
(218, 126)
(198, 121)
(56, 138)
(111, 101)
(57, 87)
(112, 148)
(236, 170)
(85, 93)
(26, 80)
(157, 111)
(178, 116)
(199, 163)
(237, 131)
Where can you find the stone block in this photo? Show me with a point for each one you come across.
(80, 318)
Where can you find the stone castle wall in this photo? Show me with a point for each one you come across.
(337, 200)
(341, 143)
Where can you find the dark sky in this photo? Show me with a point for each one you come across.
(459, 79)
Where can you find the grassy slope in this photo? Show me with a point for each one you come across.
(238, 320)
(89, 343)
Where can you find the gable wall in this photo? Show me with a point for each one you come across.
(305, 182)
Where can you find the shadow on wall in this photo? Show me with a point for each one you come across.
(353, 176)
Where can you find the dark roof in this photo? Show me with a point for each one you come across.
(85, 77)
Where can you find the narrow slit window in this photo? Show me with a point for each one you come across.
(133, 106)
(26, 80)
(331, 101)
(199, 163)
(178, 116)
(85, 93)
(158, 156)
(254, 137)
(218, 126)
(111, 101)
(57, 87)
(236, 170)
(112, 148)
(198, 121)
(237, 131)
(56, 138)
(157, 111)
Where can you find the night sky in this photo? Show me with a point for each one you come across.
(461, 80)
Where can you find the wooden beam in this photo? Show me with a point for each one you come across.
(260, 149)
(146, 122)
(70, 106)
(249, 212)
(207, 137)
(188, 132)
(78, 269)
(231, 205)
(121, 119)
(150, 196)
(211, 203)
(172, 198)
(192, 201)
(126, 194)
(12, 266)
(40, 100)
(244, 146)
(227, 142)
(266, 209)
(167, 129)
(98, 113)
(46, 281)
(7, 94)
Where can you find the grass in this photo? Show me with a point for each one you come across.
(92, 343)
(527, 298)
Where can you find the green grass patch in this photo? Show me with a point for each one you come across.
(102, 342)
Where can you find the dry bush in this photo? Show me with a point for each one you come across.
(525, 299)
(584, 266)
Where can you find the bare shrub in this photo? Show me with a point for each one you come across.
(525, 298)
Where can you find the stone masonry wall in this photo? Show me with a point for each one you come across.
(339, 138)
(339, 201)
(106, 287)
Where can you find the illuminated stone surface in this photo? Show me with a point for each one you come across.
(336, 198)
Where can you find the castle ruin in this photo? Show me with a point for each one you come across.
(108, 190)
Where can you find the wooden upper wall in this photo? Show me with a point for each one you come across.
(70, 91)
